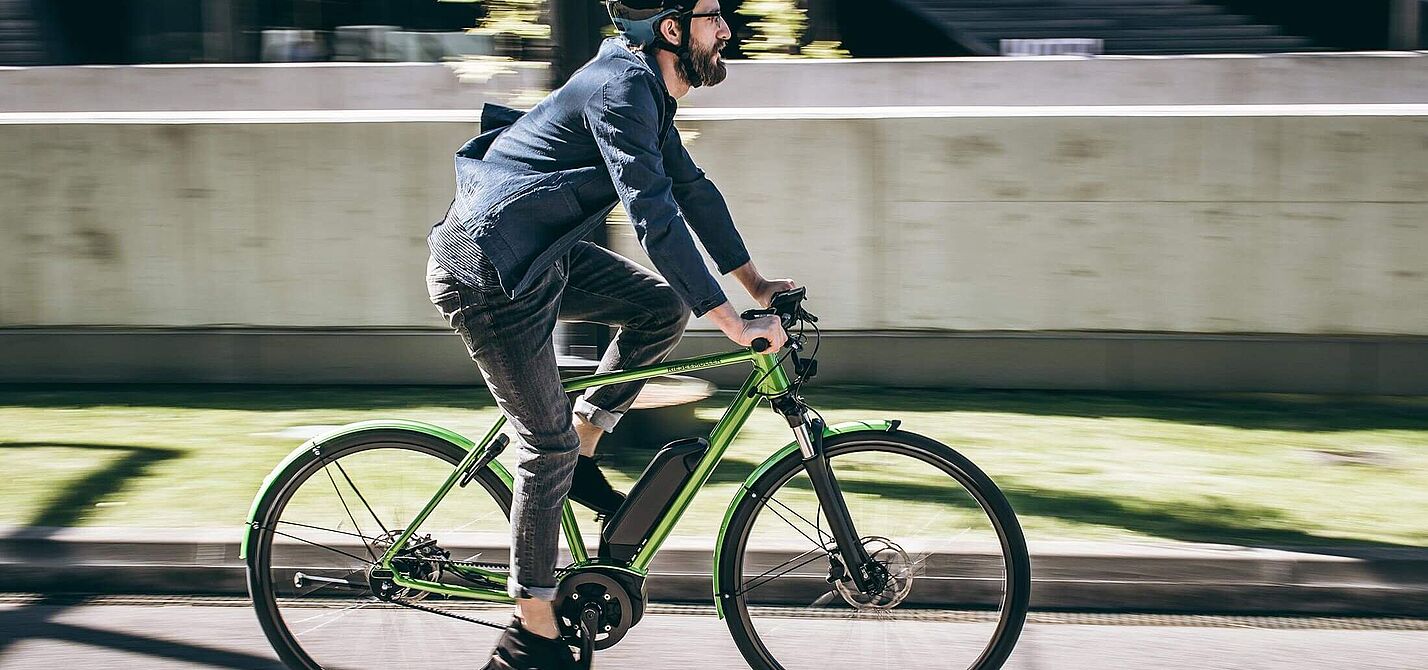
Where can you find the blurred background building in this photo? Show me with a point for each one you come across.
(1196, 195)
(75, 32)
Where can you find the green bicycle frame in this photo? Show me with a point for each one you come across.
(767, 378)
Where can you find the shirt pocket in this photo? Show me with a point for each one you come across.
(548, 200)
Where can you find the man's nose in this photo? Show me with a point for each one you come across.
(724, 34)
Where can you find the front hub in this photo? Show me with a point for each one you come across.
(890, 571)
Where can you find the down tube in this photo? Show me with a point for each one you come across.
(719, 440)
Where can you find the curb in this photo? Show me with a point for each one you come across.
(1083, 576)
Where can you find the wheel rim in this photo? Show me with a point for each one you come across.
(334, 518)
(948, 600)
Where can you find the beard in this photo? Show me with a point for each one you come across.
(700, 66)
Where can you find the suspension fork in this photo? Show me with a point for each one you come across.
(809, 433)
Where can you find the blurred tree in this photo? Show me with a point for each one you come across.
(518, 17)
(779, 27)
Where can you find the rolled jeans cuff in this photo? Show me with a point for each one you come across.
(515, 590)
(602, 419)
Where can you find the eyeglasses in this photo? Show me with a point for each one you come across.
(714, 16)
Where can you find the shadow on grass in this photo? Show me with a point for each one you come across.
(70, 506)
(1212, 520)
(1302, 413)
(37, 620)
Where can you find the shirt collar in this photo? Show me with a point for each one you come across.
(619, 47)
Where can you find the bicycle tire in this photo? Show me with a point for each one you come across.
(269, 510)
(734, 547)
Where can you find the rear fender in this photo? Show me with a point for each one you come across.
(313, 449)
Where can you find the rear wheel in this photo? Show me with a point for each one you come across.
(954, 573)
(328, 518)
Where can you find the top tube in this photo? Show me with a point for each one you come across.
(662, 369)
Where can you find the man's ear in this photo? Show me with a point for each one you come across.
(669, 30)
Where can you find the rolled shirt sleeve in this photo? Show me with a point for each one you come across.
(624, 118)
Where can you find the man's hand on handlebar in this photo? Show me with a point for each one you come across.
(744, 331)
(759, 288)
(765, 291)
(766, 328)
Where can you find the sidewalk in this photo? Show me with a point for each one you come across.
(1180, 577)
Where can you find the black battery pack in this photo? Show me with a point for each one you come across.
(651, 496)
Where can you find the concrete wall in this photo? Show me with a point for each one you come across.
(1195, 222)
(1040, 360)
(269, 86)
(1023, 223)
(1380, 77)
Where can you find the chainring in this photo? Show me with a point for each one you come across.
(619, 608)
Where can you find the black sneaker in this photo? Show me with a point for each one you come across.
(520, 649)
(590, 488)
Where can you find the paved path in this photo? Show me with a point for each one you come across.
(1162, 576)
(163, 633)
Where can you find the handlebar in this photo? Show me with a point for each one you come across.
(788, 306)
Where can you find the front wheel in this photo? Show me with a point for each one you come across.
(954, 573)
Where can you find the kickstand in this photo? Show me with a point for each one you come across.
(589, 618)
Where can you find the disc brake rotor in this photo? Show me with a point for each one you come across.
(895, 582)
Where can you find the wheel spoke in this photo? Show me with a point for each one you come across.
(315, 544)
(749, 585)
(334, 616)
(820, 541)
(363, 498)
(347, 509)
(328, 530)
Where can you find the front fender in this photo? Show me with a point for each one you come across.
(876, 426)
(314, 446)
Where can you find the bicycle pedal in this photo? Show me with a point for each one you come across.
(589, 624)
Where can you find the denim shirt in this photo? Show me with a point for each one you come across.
(532, 185)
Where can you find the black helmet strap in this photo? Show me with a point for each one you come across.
(685, 20)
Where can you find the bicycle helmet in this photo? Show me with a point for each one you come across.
(638, 20)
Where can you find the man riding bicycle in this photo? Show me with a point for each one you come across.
(509, 260)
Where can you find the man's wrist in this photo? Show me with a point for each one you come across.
(749, 277)
(726, 318)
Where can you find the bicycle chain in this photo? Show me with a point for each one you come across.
(470, 564)
(433, 610)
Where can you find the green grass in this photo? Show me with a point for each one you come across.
(1254, 470)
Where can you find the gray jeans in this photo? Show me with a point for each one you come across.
(512, 343)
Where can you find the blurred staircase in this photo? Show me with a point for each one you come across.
(20, 40)
(1127, 26)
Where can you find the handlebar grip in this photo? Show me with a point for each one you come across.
(760, 345)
